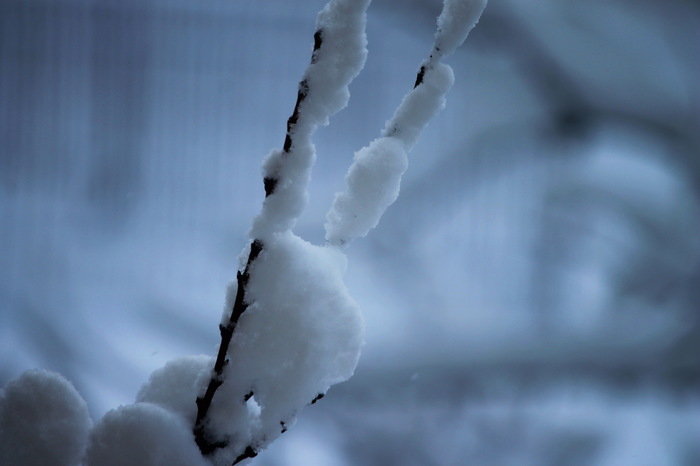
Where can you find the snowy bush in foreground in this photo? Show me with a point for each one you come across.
(289, 330)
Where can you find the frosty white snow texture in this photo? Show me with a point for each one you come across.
(301, 334)
(43, 420)
(372, 185)
(458, 17)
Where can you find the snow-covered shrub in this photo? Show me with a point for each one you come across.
(290, 330)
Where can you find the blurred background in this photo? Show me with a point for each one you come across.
(530, 299)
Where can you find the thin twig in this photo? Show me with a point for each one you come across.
(206, 444)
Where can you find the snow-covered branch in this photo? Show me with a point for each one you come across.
(338, 56)
(374, 177)
(290, 329)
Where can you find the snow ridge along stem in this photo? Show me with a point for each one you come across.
(300, 125)
(374, 177)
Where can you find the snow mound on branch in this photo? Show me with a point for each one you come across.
(372, 185)
(143, 434)
(42, 416)
(374, 178)
(339, 60)
(420, 105)
(176, 385)
(458, 17)
(301, 333)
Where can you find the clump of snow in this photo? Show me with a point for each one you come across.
(420, 105)
(313, 329)
(43, 420)
(301, 333)
(457, 18)
(339, 60)
(142, 434)
(374, 178)
(176, 385)
(372, 185)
